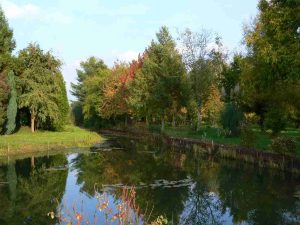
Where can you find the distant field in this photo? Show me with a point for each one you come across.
(24, 141)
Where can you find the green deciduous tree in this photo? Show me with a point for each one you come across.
(112, 102)
(89, 68)
(12, 104)
(62, 102)
(204, 66)
(230, 78)
(272, 71)
(88, 89)
(40, 90)
(213, 106)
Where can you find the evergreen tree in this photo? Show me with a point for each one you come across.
(7, 44)
(3, 101)
(12, 104)
(167, 75)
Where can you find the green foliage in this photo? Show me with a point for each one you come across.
(89, 68)
(248, 137)
(231, 119)
(284, 145)
(168, 90)
(3, 101)
(192, 109)
(213, 107)
(12, 104)
(139, 95)
(204, 66)
(62, 102)
(111, 102)
(230, 78)
(271, 70)
(7, 44)
(89, 91)
(274, 41)
(76, 113)
(41, 87)
(275, 120)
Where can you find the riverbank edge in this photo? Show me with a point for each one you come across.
(289, 163)
(25, 142)
(31, 149)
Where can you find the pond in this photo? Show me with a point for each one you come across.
(184, 187)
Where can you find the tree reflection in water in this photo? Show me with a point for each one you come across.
(184, 187)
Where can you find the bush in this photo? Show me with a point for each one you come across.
(284, 145)
(231, 119)
(275, 120)
(248, 137)
(154, 128)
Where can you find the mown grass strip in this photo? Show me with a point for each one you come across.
(24, 141)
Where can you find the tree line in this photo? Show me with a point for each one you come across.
(193, 81)
(32, 88)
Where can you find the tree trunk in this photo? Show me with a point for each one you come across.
(126, 122)
(261, 122)
(32, 122)
(147, 121)
(163, 123)
(32, 162)
(198, 120)
(174, 121)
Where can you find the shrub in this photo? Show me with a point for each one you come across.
(248, 137)
(284, 145)
(275, 120)
(231, 119)
(153, 128)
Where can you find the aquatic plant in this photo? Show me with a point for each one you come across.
(125, 212)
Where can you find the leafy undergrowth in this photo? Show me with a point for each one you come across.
(24, 141)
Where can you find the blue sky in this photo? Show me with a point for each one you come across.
(110, 29)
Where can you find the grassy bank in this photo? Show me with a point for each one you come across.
(262, 142)
(24, 141)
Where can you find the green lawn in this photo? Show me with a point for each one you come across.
(24, 141)
(263, 139)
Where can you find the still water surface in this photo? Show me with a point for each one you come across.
(184, 187)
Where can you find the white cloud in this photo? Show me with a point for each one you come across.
(15, 11)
